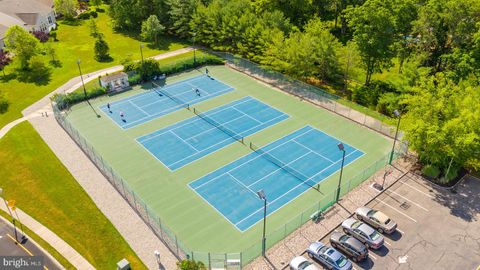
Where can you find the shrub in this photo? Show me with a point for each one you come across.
(100, 10)
(84, 16)
(134, 79)
(93, 14)
(41, 36)
(431, 171)
(3, 104)
(149, 69)
(53, 34)
(64, 101)
(388, 102)
(101, 50)
(191, 265)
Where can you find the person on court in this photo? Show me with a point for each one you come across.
(122, 115)
(206, 71)
(197, 91)
(108, 106)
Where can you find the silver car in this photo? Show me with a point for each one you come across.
(328, 256)
(376, 219)
(366, 234)
(300, 263)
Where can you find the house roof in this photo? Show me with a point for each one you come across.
(113, 77)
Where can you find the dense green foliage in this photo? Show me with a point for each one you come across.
(101, 50)
(190, 265)
(22, 44)
(64, 101)
(67, 8)
(152, 29)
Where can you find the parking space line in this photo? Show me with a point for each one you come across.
(400, 231)
(397, 210)
(418, 205)
(387, 243)
(426, 194)
(371, 256)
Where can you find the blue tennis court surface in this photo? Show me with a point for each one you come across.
(178, 145)
(308, 152)
(144, 107)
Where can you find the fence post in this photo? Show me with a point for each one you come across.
(225, 261)
(241, 261)
(209, 262)
(161, 229)
(176, 244)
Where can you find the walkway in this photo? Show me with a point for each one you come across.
(137, 234)
(56, 242)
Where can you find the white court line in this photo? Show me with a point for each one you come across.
(426, 194)
(279, 169)
(396, 210)
(418, 205)
(244, 114)
(187, 122)
(140, 109)
(191, 146)
(313, 151)
(371, 256)
(294, 188)
(247, 161)
(238, 181)
(400, 231)
(229, 138)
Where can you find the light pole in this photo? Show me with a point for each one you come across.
(341, 148)
(194, 51)
(261, 195)
(81, 77)
(10, 212)
(399, 116)
(157, 257)
(141, 52)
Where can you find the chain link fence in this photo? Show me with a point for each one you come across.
(310, 93)
(239, 259)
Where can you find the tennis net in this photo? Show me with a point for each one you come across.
(282, 165)
(221, 127)
(157, 88)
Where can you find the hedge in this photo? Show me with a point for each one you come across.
(64, 101)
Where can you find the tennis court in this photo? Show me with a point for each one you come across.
(284, 169)
(184, 142)
(162, 100)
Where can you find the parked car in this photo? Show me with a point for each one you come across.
(366, 234)
(300, 263)
(328, 256)
(349, 245)
(376, 219)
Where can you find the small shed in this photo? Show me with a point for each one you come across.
(115, 82)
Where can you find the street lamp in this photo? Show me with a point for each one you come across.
(157, 257)
(10, 212)
(398, 115)
(194, 51)
(81, 77)
(141, 52)
(261, 195)
(341, 148)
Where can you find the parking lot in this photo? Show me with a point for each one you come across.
(437, 228)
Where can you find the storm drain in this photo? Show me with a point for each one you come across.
(405, 205)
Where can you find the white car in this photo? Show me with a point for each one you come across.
(300, 263)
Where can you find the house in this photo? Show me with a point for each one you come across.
(33, 15)
(115, 82)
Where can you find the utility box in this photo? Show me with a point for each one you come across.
(123, 265)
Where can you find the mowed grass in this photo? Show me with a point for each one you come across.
(32, 175)
(198, 225)
(75, 42)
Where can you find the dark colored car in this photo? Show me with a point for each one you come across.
(349, 246)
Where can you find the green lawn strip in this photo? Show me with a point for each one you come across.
(196, 223)
(75, 43)
(45, 245)
(44, 189)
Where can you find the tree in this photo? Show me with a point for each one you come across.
(92, 24)
(148, 69)
(180, 14)
(4, 61)
(374, 33)
(101, 50)
(22, 44)
(3, 104)
(349, 60)
(68, 8)
(123, 15)
(191, 265)
(151, 29)
(95, 2)
(50, 51)
(442, 123)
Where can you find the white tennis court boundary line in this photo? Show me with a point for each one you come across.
(258, 155)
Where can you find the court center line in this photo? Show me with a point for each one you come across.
(214, 127)
(426, 194)
(191, 146)
(246, 115)
(238, 181)
(293, 188)
(140, 109)
(409, 217)
(313, 151)
(243, 163)
(229, 138)
(280, 168)
(418, 205)
(188, 121)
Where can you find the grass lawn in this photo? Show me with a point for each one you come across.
(74, 43)
(45, 189)
(46, 246)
